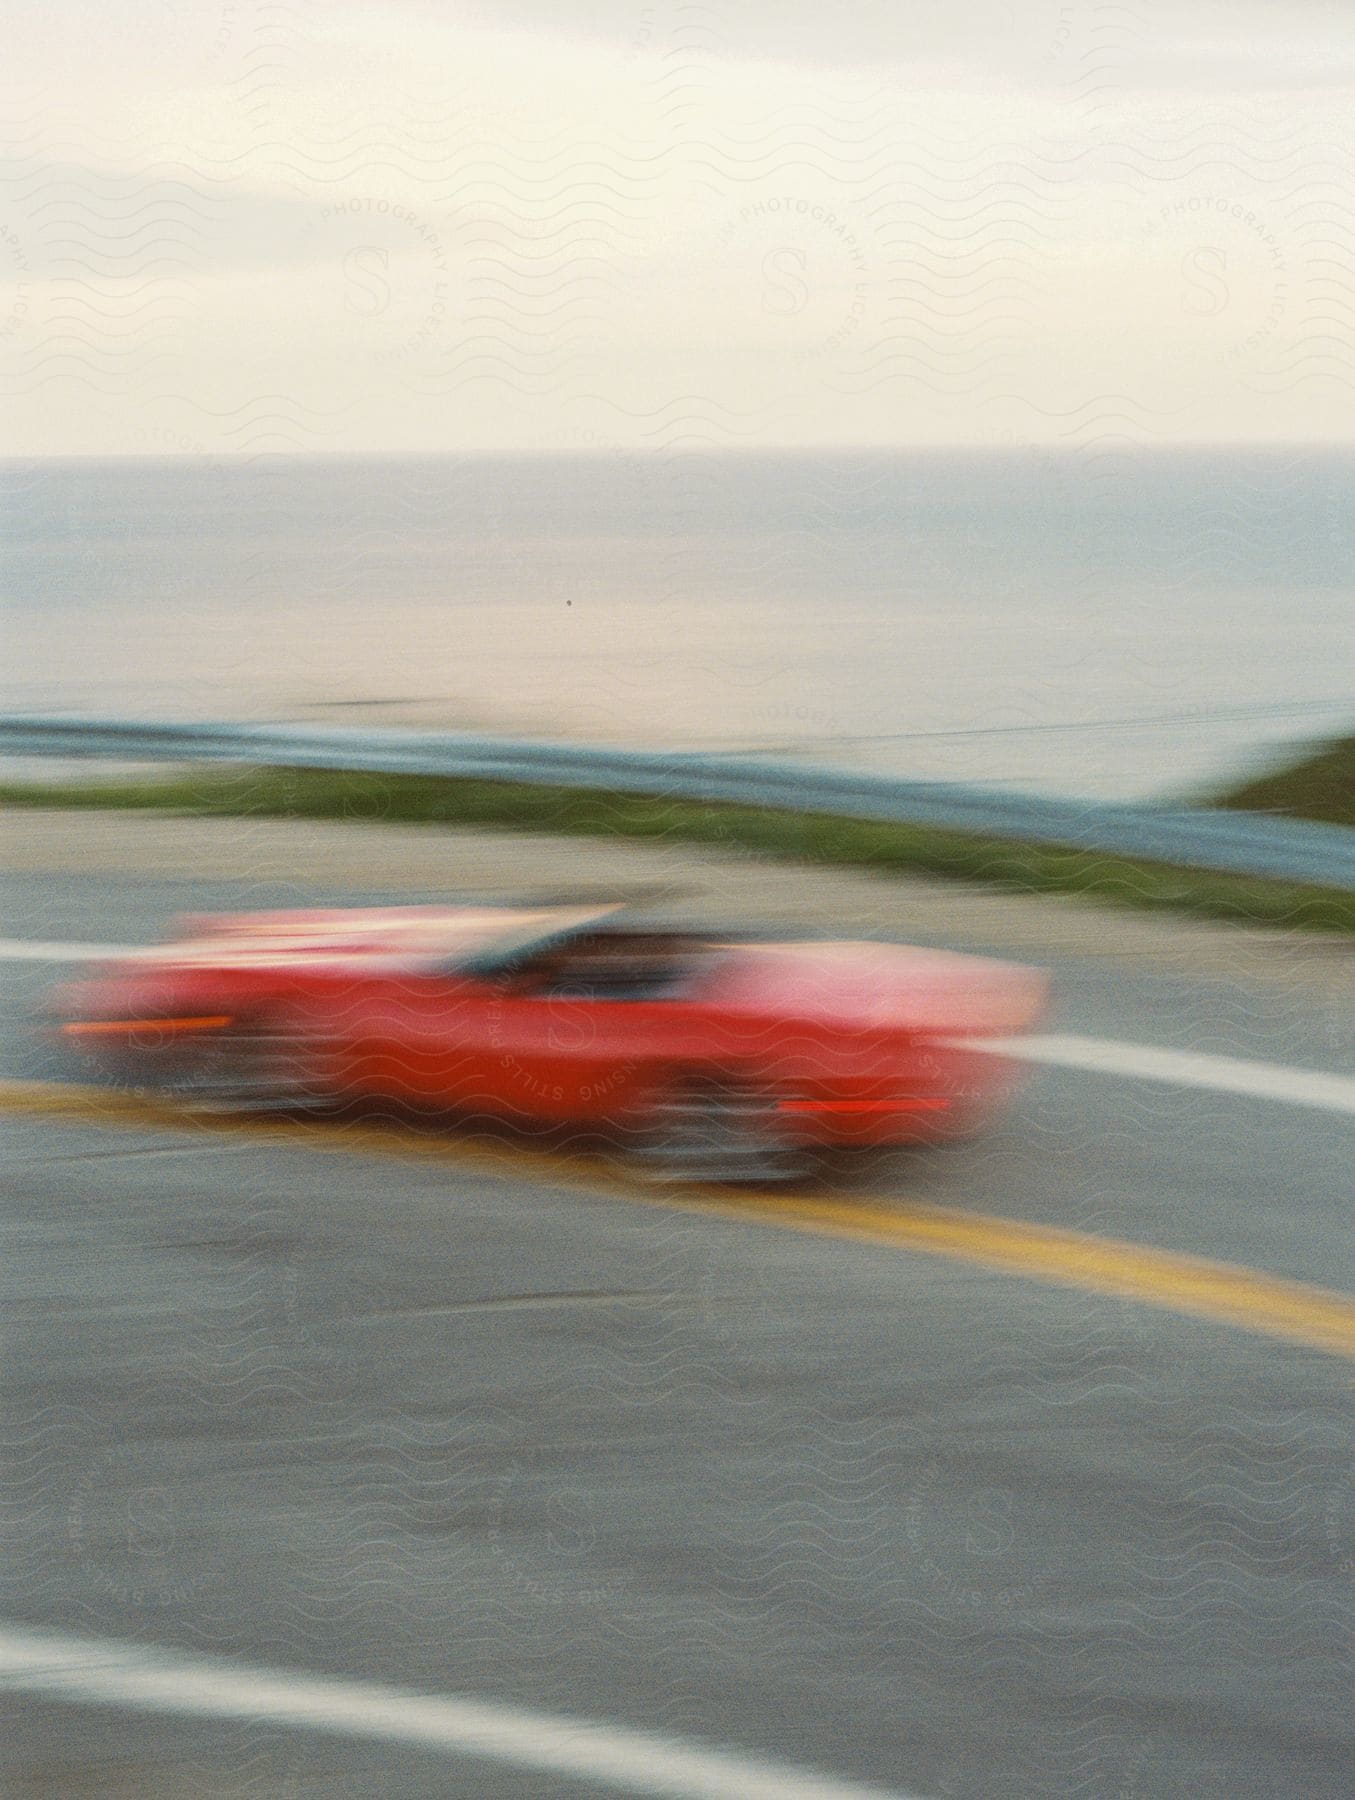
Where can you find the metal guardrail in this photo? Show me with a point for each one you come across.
(1223, 842)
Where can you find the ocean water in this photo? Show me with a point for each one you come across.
(1117, 624)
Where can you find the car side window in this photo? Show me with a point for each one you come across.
(614, 968)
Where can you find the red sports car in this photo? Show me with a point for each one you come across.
(712, 1057)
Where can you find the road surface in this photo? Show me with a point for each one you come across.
(490, 1427)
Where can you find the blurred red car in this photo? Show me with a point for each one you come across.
(712, 1058)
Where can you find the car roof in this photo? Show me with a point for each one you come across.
(529, 932)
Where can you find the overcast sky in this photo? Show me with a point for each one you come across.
(231, 226)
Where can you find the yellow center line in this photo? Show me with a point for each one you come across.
(1319, 1318)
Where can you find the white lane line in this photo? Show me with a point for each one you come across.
(1182, 1068)
(37, 950)
(141, 1678)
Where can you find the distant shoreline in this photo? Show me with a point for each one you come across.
(1318, 785)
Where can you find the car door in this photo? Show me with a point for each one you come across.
(420, 1037)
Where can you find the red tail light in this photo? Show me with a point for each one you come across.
(910, 1105)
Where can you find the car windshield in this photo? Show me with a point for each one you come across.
(617, 965)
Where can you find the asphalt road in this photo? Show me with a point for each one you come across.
(487, 1428)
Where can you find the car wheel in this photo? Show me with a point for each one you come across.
(254, 1067)
(718, 1132)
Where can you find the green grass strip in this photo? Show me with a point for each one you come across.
(813, 838)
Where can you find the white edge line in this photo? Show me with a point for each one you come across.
(39, 950)
(1181, 1068)
(146, 1679)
